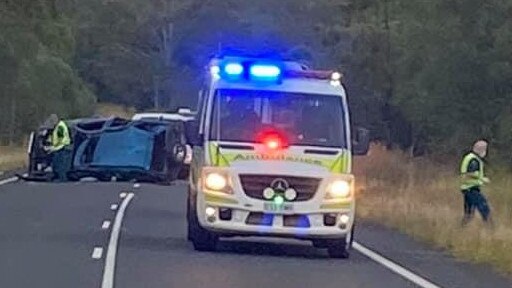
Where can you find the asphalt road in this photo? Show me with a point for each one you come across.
(50, 231)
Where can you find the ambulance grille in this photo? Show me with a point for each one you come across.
(254, 185)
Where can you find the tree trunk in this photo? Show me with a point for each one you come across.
(12, 128)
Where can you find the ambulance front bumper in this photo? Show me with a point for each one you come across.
(303, 221)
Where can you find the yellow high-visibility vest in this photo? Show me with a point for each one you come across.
(60, 136)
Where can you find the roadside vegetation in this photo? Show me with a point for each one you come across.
(109, 109)
(421, 197)
(12, 158)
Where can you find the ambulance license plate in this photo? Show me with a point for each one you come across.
(277, 208)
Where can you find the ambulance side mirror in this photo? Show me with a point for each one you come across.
(361, 141)
(192, 133)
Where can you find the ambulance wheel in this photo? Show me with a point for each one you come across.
(338, 249)
(351, 235)
(189, 227)
(202, 239)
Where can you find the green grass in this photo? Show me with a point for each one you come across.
(422, 199)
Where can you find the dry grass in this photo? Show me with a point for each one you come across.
(12, 158)
(108, 109)
(421, 198)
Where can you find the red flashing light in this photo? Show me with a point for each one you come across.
(272, 139)
(273, 143)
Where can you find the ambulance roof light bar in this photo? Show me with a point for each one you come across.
(265, 71)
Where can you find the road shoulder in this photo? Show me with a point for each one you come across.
(434, 264)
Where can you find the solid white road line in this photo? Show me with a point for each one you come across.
(110, 260)
(105, 225)
(8, 180)
(97, 253)
(113, 207)
(416, 279)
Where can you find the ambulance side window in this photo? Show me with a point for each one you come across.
(203, 96)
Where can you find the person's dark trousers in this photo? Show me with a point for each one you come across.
(475, 200)
(61, 162)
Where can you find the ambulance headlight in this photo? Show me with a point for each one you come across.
(216, 181)
(338, 189)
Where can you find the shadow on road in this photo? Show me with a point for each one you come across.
(293, 250)
(237, 246)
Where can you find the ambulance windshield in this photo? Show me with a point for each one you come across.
(304, 119)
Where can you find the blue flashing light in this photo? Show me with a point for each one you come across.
(233, 69)
(265, 72)
(303, 222)
(267, 219)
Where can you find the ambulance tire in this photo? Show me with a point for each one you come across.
(338, 249)
(202, 239)
(351, 239)
(189, 227)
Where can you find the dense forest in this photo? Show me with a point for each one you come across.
(422, 75)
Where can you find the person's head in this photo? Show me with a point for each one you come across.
(480, 148)
(52, 120)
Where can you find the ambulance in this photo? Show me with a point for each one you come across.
(272, 155)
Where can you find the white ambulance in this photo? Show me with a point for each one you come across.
(272, 155)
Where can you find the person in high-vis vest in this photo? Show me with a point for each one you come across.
(472, 179)
(60, 141)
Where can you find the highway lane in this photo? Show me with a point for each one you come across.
(153, 243)
(49, 232)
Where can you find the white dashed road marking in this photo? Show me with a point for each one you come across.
(97, 253)
(122, 195)
(110, 260)
(8, 180)
(416, 279)
(113, 207)
(105, 225)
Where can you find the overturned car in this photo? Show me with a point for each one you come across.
(114, 149)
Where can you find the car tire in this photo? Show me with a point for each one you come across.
(338, 249)
(202, 239)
